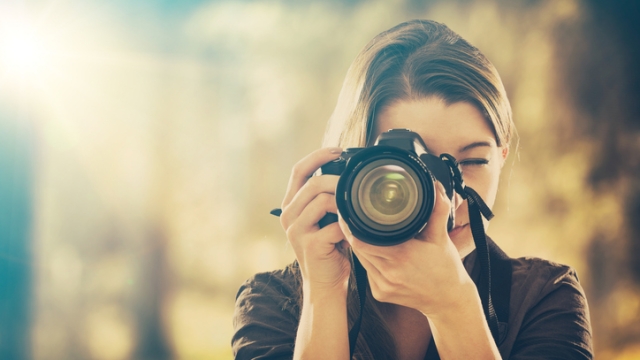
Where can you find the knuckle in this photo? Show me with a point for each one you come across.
(284, 219)
(375, 291)
(298, 170)
(292, 232)
(312, 184)
(392, 276)
(326, 199)
(379, 293)
(386, 289)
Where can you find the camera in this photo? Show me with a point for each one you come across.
(386, 193)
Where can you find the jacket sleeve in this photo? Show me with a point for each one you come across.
(264, 323)
(558, 326)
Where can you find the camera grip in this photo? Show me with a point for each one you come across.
(329, 218)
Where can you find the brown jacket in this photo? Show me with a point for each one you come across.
(541, 307)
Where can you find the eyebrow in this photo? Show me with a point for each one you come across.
(474, 145)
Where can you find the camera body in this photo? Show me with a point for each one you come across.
(386, 193)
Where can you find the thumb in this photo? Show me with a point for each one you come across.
(436, 229)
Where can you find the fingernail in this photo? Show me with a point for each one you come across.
(335, 150)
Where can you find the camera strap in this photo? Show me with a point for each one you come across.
(477, 209)
(361, 286)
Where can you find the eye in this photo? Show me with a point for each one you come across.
(477, 162)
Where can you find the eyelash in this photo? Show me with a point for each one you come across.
(474, 162)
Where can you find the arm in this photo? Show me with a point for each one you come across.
(323, 329)
(262, 332)
(324, 266)
(461, 331)
(264, 319)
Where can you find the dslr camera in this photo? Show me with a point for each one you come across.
(386, 193)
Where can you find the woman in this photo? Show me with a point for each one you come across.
(422, 299)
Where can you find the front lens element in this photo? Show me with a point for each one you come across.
(388, 195)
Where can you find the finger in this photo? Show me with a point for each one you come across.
(323, 242)
(436, 229)
(332, 233)
(345, 228)
(366, 262)
(381, 252)
(377, 281)
(322, 204)
(325, 184)
(305, 168)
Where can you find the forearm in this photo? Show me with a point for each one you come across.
(462, 332)
(323, 328)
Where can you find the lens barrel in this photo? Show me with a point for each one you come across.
(386, 195)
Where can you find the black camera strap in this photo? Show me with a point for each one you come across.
(361, 286)
(477, 209)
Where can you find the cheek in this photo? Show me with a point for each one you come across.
(485, 182)
(492, 190)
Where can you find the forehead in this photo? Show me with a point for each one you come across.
(443, 127)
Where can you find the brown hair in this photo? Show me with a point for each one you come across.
(413, 60)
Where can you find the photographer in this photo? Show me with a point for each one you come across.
(424, 296)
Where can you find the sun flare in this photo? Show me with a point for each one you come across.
(22, 51)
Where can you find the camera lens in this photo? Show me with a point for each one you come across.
(386, 192)
(385, 195)
(388, 195)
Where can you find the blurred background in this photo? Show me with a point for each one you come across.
(143, 143)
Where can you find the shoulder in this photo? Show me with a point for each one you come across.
(276, 288)
(535, 274)
(549, 314)
(538, 283)
(266, 315)
(276, 282)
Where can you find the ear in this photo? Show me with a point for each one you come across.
(505, 153)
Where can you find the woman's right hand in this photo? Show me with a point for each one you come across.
(320, 252)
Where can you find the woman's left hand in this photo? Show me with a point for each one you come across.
(425, 273)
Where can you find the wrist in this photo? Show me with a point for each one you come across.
(323, 294)
(463, 303)
(461, 330)
(323, 327)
